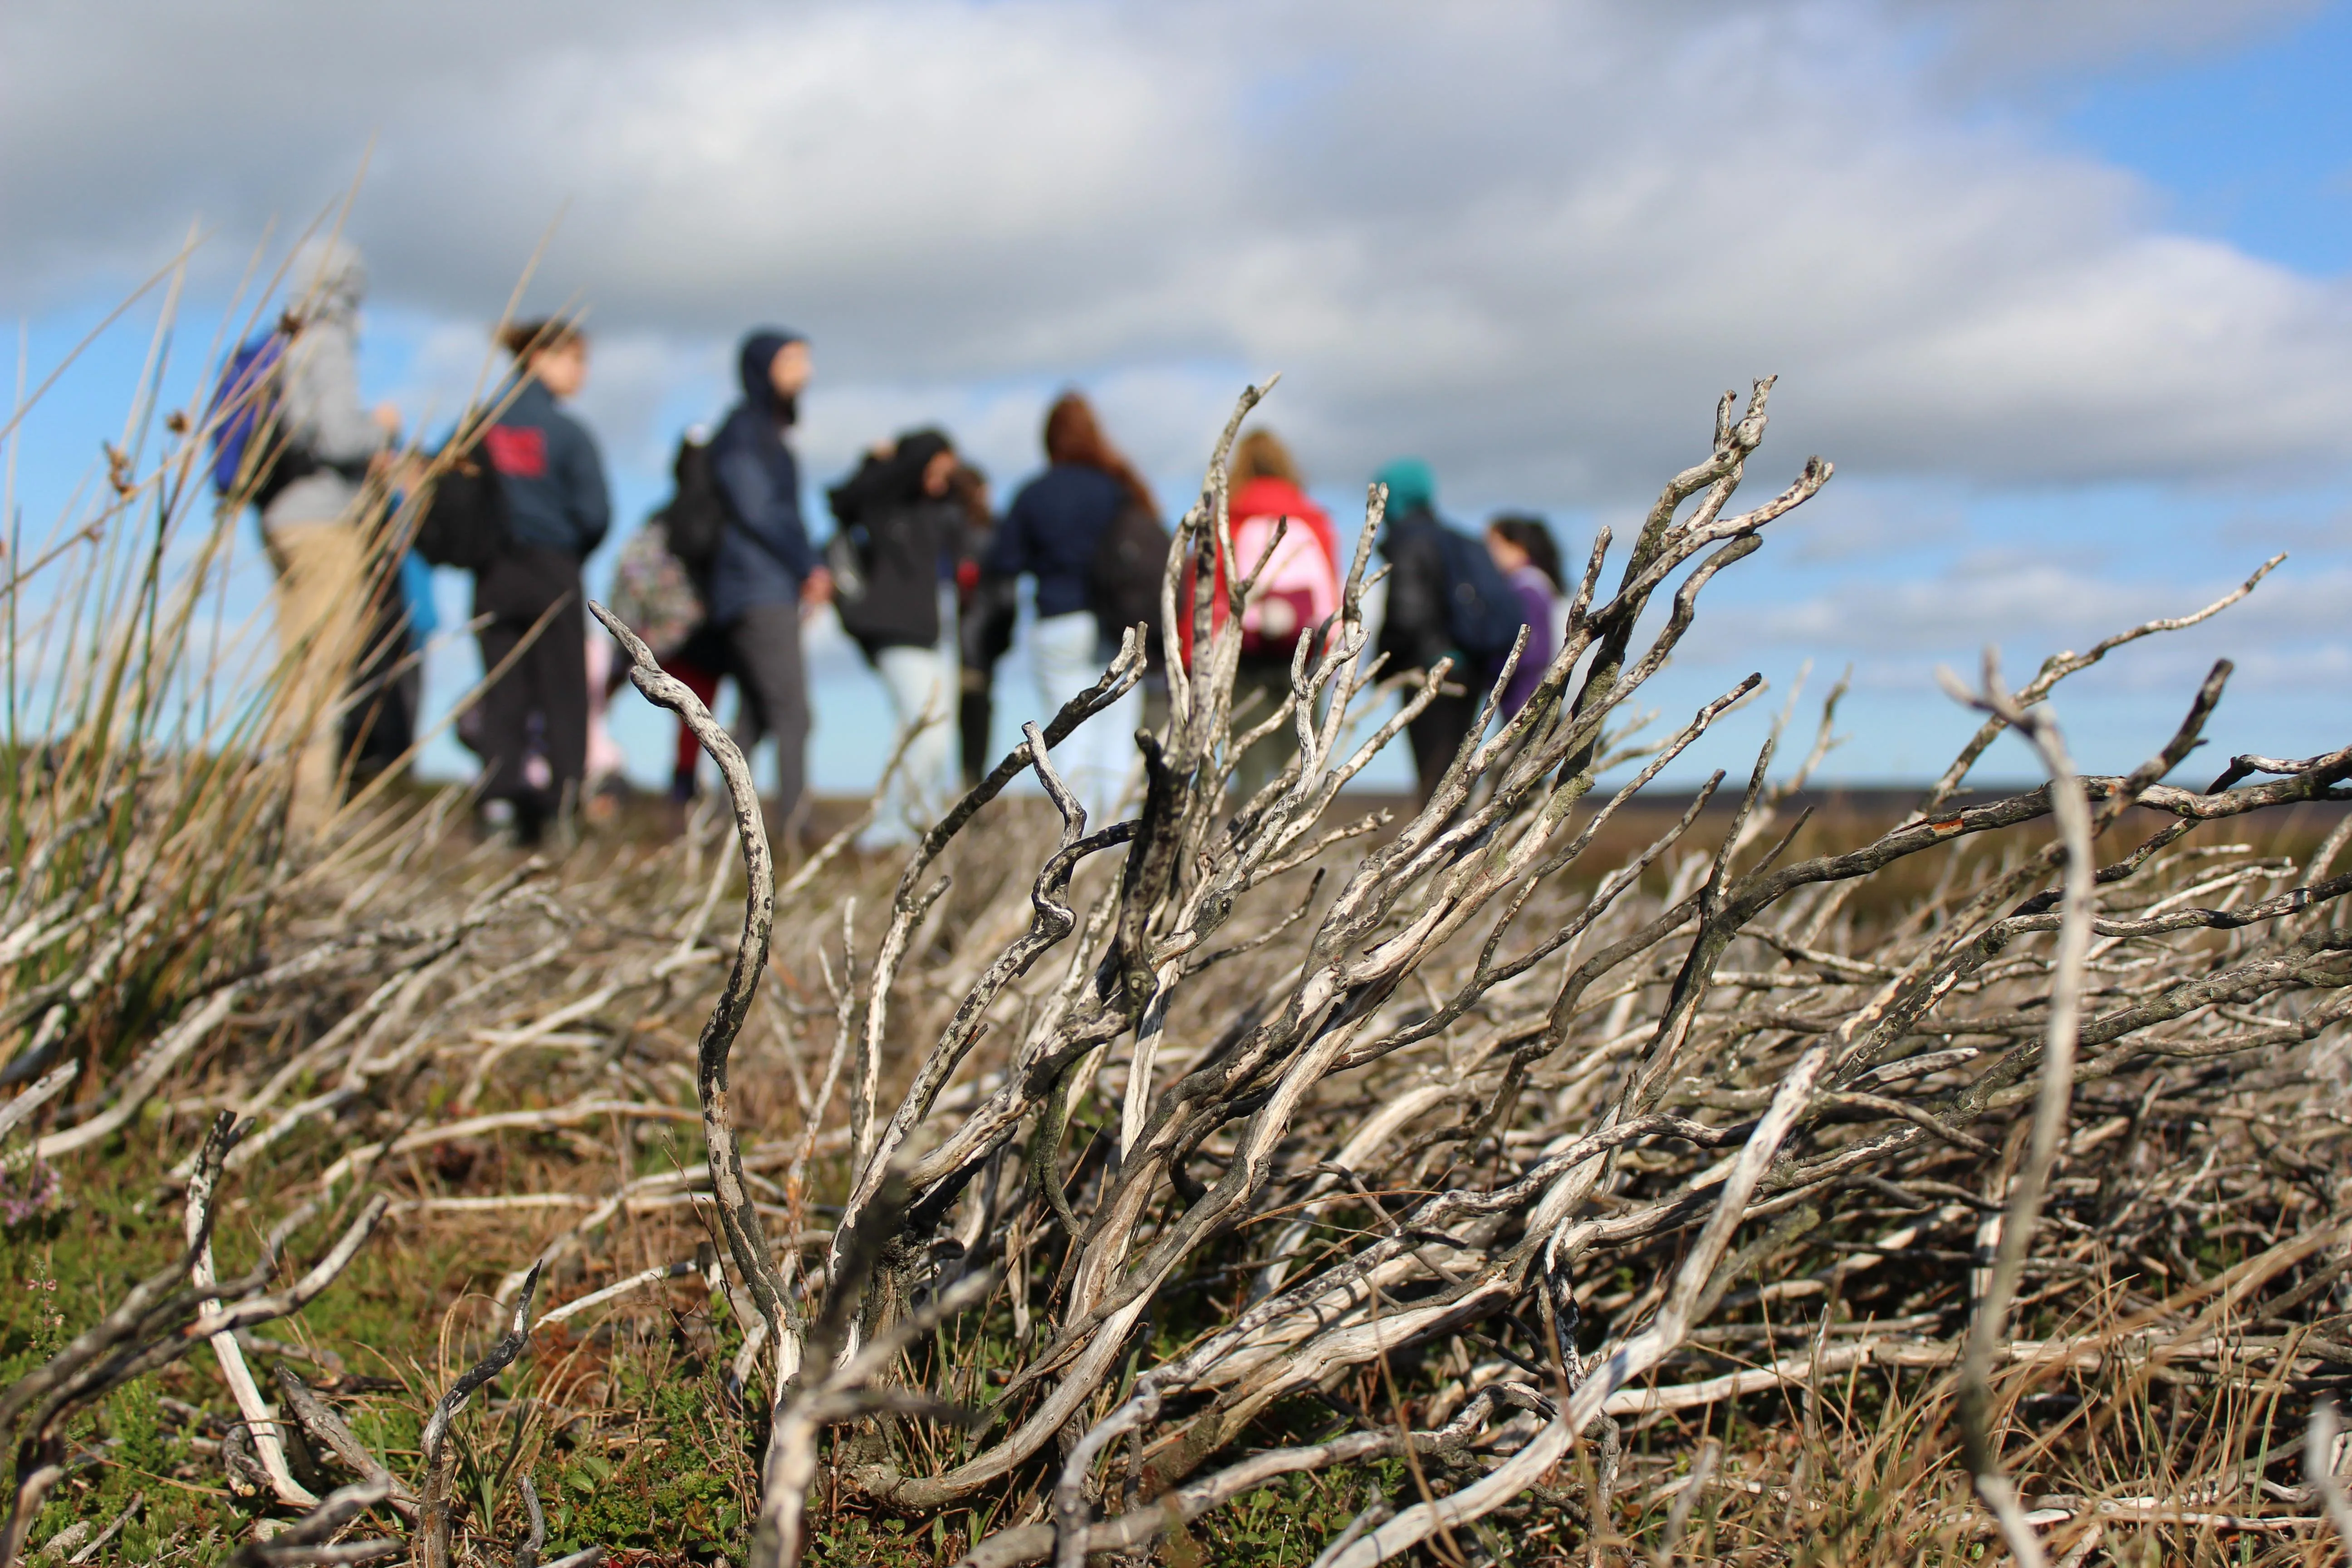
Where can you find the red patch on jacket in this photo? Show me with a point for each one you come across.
(518, 451)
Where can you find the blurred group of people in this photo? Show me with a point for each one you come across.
(921, 568)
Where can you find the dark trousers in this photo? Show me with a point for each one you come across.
(1436, 734)
(975, 712)
(701, 661)
(548, 680)
(380, 721)
(763, 649)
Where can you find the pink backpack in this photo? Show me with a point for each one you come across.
(1299, 588)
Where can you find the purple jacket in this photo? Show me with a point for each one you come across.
(1539, 603)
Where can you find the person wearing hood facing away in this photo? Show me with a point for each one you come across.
(900, 515)
(316, 539)
(766, 569)
(1417, 626)
(534, 718)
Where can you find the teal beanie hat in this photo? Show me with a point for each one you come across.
(1411, 487)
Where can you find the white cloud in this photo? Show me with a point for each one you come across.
(2031, 607)
(1530, 241)
(2026, 38)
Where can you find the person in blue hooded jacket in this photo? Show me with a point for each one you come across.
(766, 569)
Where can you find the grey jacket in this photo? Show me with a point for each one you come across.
(320, 405)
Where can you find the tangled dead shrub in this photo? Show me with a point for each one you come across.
(1557, 1176)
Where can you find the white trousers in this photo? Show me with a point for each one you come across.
(1094, 760)
(922, 687)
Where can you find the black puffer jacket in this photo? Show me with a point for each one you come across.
(901, 535)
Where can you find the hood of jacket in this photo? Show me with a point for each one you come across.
(330, 281)
(751, 367)
(894, 482)
(916, 450)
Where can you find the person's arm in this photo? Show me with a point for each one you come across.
(987, 625)
(770, 517)
(873, 479)
(1008, 550)
(592, 502)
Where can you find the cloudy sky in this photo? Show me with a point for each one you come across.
(2062, 289)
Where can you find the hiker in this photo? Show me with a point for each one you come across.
(533, 733)
(1446, 599)
(988, 607)
(765, 572)
(1296, 591)
(1523, 548)
(321, 442)
(898, 515)
(1056, 532)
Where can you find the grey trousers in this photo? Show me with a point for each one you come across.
(765, 643)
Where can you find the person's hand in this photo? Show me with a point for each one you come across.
(816, 588)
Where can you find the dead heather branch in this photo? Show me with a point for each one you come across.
(439, 1455)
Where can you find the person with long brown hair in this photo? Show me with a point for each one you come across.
(1053, 532)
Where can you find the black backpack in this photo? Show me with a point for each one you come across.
(463, 520)
(849, 552)
(696, 516)
(1482, 613)
(1123, 579)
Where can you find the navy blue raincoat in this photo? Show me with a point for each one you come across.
(764, 555)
